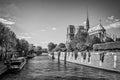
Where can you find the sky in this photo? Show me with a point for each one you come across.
(44, 21)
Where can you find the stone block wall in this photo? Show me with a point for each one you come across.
(111, 60)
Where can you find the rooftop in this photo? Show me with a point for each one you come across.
(99, 27)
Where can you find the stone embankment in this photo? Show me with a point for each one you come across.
(3, 68)
(104, 60)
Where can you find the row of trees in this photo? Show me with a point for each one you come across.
(54, 47)
(10, 43)
(82, 41)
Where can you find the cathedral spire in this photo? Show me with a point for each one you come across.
(100, 21)
(87, 21)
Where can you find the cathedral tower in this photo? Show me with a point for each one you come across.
(70, 33)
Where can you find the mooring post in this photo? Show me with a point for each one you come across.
(65, 57)
(59, 56)
(53, 56)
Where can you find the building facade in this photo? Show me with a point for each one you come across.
(97, 31)
(70, 33)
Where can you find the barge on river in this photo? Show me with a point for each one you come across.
(30, 56)
(17, 64)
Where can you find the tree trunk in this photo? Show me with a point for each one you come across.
(65, 57)
(53, 56)
(59, 57)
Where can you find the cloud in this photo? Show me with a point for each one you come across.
(24, 36)
(44, 42)
(113, 25)
(54, 28)
(27, 34)
(117, 20)
(43, 30)
(111, 17)
(4, 21)
(8, 26)
(84, 22)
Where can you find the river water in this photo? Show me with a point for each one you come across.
(43, 68)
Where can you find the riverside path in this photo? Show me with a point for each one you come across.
(43, 68)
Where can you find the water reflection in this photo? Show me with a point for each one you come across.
(43, 68)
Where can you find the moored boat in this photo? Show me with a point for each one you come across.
(30, 55)
(17, 63)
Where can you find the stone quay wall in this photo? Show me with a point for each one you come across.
(3, 68)
(104, 60)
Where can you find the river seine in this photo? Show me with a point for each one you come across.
(44, 68)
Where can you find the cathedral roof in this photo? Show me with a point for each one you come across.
(99, 27)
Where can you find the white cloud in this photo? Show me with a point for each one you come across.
(54, 28)
(113, 25)
(44, 42)
(117, 20)
(43, 30)
(48, 28)
(6, 21)
(27, 34)
(111, 17)
(24, 36)
(84, 22)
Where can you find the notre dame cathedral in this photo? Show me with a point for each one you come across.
(98, 31)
